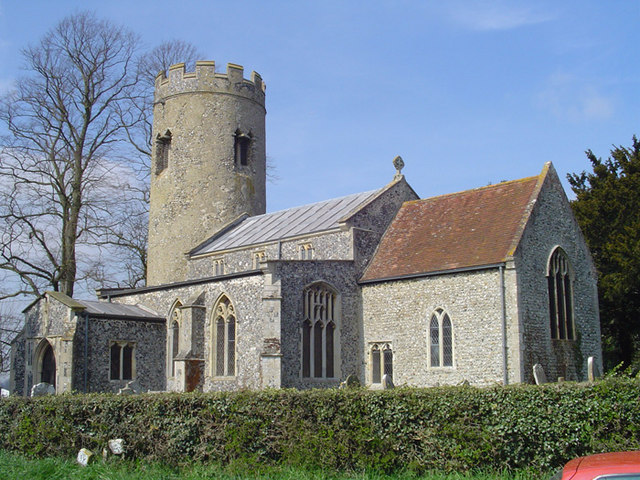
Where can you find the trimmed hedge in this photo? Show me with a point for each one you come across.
(445, 429)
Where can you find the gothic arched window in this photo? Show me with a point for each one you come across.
(560, 287)
(224, 339)
(319, 332)
(440, 340)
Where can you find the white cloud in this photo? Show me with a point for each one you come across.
(570, 98)
(488, 15)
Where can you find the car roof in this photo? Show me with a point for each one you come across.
(594, 466)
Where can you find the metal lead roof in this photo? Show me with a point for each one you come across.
(292, 222)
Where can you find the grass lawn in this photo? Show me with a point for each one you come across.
(13, 466)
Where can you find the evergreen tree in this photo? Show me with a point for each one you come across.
(607, 206)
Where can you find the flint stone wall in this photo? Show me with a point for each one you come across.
(552, 224)
(399, 313)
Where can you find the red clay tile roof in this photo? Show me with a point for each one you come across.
(460, 230)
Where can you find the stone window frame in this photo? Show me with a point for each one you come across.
(258, 258)
(440, 334)
(242, 148)
(380, 361)
(560, 278)
(218, 266)
(305, 251)
(321, 316)
(173, 337)
(224, 339)
(163, 146)
(126, 360)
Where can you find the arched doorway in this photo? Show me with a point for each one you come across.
(48, 366)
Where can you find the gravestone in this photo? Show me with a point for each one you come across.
(539, 375)
(85, 456)
(387, 382)
(43, 388)
(116, 446)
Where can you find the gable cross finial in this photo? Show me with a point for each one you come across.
(399, 164)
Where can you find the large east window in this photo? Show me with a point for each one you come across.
(224, 339)
(560, 288)
(440, 340)
(319, 332)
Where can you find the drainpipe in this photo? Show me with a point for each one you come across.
(86, 350)
(503, 309)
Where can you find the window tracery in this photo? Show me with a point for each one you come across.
(319, 332)
(440, 340)
(224, 339)
(560, 287)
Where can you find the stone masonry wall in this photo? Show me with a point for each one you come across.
(245, 294)
(552, 224)
(340, 275)
(202, 188)
(399, 313)
(149, 354)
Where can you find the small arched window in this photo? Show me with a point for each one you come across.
(440, 340)
(224, 339)
(242, 148)
(163, 145)
(319, 332)
(560, 288)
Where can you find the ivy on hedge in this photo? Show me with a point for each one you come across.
(446, 429)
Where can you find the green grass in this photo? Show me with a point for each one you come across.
(14, 466)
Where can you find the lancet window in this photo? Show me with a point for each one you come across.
(381, 361)
(440, 340)
(122, 361)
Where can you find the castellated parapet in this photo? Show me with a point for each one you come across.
(208, 162)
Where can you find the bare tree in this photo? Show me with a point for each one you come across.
(63, 173)
(10, 325)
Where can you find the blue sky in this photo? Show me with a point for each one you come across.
(467, 92)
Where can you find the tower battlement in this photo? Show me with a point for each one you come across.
(206, 79)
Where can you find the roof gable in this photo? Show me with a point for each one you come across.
(456, 231)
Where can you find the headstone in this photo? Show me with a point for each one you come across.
(592, 369)
(352, 381)
(43, 388)
(85, 456)
(387, 382)
(539, 375)
(116, 446)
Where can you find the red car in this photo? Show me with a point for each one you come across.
(615, 465)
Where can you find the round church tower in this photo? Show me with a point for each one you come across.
(208, 162)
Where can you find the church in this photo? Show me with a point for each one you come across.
(476, 286)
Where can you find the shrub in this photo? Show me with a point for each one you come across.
(445, 429)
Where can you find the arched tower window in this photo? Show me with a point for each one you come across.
(224, 339)
(319, 332)
(440, 340)
(163, 145)
(560, 288)
(242, 148)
